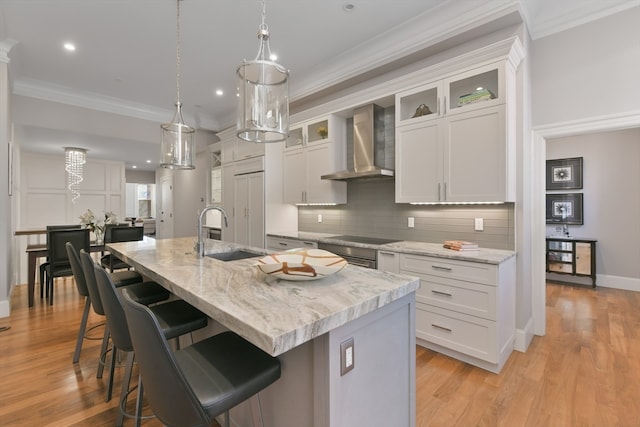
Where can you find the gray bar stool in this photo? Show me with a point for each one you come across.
(175, 318)
(195, 384)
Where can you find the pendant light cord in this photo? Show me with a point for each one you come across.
(178, 52)
(264, 26)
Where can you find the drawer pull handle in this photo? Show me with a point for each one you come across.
(441, 327)
(283, 244)
(441, 293)
(437, 267)
(387, 253)
(307, 243)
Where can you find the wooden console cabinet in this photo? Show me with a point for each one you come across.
(575, 256)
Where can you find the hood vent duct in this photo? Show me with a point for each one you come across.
(368, 134)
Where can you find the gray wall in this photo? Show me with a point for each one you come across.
(611, 191)
(588, 71)
(371, 211)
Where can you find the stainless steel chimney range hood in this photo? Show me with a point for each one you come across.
(368, 132)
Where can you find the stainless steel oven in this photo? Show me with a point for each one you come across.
(364, 257)
(356, 255)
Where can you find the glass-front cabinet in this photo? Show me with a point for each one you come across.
(478, 88)
(325, 129)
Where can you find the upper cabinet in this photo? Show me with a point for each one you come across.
(313, 149)
(453, 140)
(234, 149)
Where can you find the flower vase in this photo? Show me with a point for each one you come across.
(99, 236)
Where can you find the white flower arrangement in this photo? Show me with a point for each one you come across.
(89, 220)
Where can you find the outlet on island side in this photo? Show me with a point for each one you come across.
(347, 356)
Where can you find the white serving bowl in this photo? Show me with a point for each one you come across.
(301, 264)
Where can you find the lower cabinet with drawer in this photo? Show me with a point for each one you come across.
(464, 309)
(284, 244)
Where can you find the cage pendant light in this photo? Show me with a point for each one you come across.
(263, 94)
(178, 139)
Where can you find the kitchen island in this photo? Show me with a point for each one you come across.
(304, 325)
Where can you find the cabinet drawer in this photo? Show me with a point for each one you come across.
(469, 335)
(282, 244)
(453, 269)
(560, 267)
(463, 297)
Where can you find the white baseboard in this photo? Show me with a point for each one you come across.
(618, 282)
(523, 337)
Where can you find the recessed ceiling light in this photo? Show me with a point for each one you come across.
(219, 92)
(134, 166)
(70, 47)
(148, 161)
(348, 7)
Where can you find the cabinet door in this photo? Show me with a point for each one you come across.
(246, 150)
(583, 258)
(410, 104)
(481, 87)
(249, 209)
(320, 160)
(475, 158)
(255, 205)
(418, 162)
(294, 176)
(228, 201)
(388, 261)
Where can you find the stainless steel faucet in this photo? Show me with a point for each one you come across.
(200, 243)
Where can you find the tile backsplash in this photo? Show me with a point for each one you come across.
(371, 211)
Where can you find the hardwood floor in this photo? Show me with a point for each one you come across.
(584, 372)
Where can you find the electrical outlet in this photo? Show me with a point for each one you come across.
(319, 217)
(411, 222)
(479, 224)
(347, 356)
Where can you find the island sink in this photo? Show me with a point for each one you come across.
(233, 255)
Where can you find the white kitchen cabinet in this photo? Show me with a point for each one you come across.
(234, 149)
(460, 152)
(388, 261)
(228, 201)
(308, 156)
(464, 309)
(285, 244)
(249, 209)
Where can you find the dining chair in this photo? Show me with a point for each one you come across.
(59, 265)
(175, 318)
(145, 293)
(120, 233)
(43, 266)
(206, 379)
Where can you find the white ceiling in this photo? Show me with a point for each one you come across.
(112, 93)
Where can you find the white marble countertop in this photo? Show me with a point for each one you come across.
(482, 255)
(275, 315)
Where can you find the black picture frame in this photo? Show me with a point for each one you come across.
(564, 174)
(573, 208)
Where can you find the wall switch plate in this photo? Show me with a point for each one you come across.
(479, 224)
(411, 222)
(319, 217)
(347, 356)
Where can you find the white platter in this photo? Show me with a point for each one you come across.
(301, 264)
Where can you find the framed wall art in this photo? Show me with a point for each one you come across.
(565, 208)
(564, 174)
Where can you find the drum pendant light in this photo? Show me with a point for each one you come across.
(178, 139)
(263, 94)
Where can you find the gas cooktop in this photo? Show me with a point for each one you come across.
(362, 239)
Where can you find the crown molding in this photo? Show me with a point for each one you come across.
(48, 92)
(580, 13)
(423, 31)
